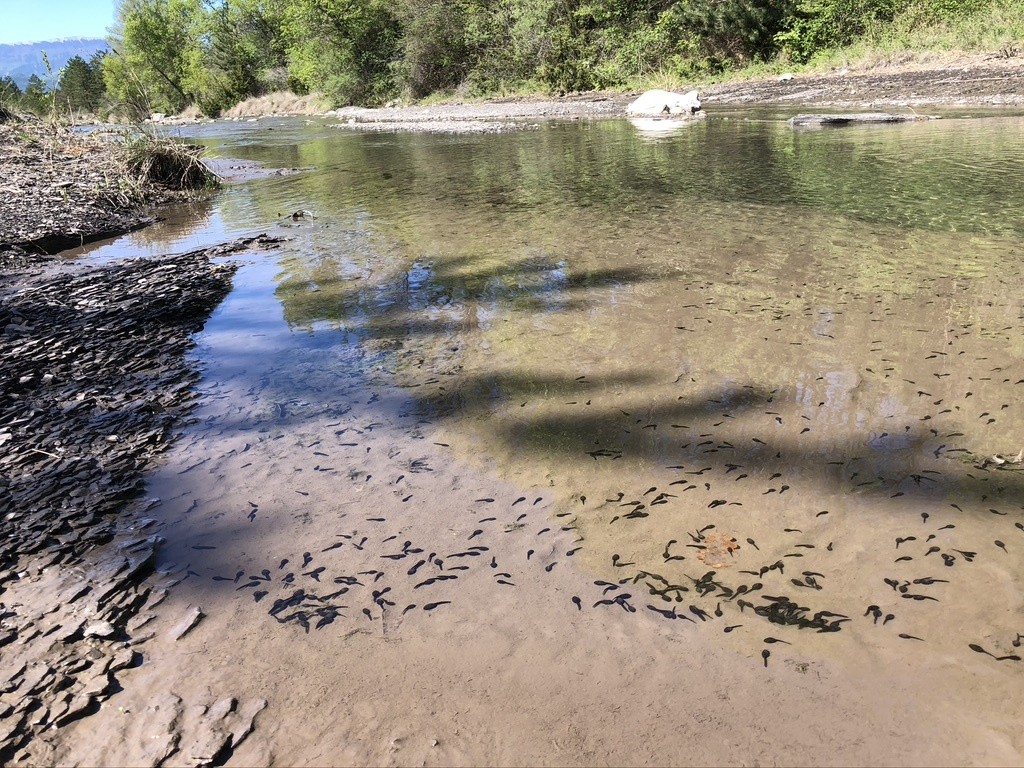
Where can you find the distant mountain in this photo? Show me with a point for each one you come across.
(22, 60)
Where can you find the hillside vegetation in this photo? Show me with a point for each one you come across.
(166, 55)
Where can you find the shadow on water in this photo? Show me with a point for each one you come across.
(690, 430)
(427, 244)
(419, 328)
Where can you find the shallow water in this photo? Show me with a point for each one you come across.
(715, 349)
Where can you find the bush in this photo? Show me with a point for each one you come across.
(436, 55)
(820, 24)
(734, 30)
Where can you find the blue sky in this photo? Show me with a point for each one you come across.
(28, 21)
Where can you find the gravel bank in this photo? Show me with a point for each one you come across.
(967, 81)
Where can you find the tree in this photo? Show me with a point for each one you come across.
(80, 84)
(10, 93)
(151, 46)
(35, 95)
(346, 48)
(241, 46)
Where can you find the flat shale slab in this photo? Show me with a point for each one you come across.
(854, 118)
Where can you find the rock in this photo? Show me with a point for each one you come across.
(97, 684)
(78, 706)
(123, 659)
(100, 629)
(222, 708)
(138, 621)
(205, 747)
(243, 719)
(192, 617)
(68, 631)
(36, 678)
(854, 118)
(85, 354)
(156, 730)
(658, 103)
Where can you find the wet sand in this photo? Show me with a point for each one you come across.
(511, 671)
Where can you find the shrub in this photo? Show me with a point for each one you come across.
(820, 24)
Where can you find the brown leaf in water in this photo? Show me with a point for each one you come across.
(719, 549)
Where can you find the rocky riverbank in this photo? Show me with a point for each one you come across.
(61, 188)
(932, 81)
(93, 381)
(976, 81)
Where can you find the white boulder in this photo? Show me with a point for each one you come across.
(658, 103)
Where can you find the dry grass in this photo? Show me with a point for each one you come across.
(173, 165)
(278, 103)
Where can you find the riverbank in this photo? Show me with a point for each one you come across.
(937, 81)
(63, 188)
(94, 384)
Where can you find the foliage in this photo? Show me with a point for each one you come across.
(167, 54)
(10, 98)
(152, 46)
(820, 24)
(735, 30)
(80, 86)
(34, 97)
(345, 48)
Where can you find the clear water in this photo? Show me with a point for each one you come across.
(819, 324)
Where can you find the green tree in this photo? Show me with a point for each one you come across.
(35, 97)
(436, 53)
(151, 46)
(10, 93)
(80, 85)
(345, 48)
(241, 48)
